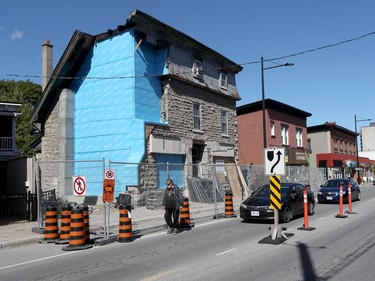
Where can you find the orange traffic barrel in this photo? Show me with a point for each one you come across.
(229, 212)
(125, 226)
(66, 212)
(185, 213)
(51, 229)
(77, 239)
(86, 221)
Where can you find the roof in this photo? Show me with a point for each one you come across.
(272, 104)
(81, 43)
(329, 126)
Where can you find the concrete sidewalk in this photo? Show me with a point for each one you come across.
(143, 221)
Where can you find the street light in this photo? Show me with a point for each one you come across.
(263, 98)
(356, 141)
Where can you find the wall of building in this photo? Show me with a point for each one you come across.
(320, 143)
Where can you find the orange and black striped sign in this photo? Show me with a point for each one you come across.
(275, 192)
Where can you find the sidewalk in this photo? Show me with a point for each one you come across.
(143, 221)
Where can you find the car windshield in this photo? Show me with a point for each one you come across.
(264, 191)
(335, 183)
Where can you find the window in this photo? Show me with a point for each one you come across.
(223, 80)
(341, 149)
(284, 135)
(309, 146)
(272, 124)
(198, 69)
(335, 147)
(197, 116)
(299, 137)
(224, 122)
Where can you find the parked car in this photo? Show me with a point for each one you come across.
(257, 206)
(330, 191)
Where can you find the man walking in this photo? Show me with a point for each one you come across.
(172, 203)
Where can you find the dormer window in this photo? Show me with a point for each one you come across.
(223, 80)
(198, 69)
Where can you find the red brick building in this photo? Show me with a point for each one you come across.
(285, 127)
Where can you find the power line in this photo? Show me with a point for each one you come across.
(219, 68)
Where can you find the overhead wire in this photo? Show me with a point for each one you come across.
(219, 68)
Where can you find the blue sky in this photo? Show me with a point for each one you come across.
(333, 83)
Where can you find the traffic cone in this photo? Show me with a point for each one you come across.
(125, 226)
(185, 214)
(66, 212)
(229, 212)
(86, 222)
(77, 239)
(51, 230)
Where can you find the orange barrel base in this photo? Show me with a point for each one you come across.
(64, 225)
(229, 212)
(51, 230)
(125, 233)
(77, 239)
(185, 214)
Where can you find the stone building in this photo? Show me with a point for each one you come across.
(143, 93)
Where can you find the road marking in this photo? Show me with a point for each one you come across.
(43, 259)
(161, 274)
(322, 218)
(226, 252)
(365, 202)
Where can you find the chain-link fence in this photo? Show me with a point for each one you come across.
(143, 184)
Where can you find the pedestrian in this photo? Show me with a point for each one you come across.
(171, 203)
(308, 187)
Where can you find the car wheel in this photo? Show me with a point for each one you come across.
(287, 214)
(311, 208)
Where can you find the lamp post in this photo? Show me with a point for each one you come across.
(263, 97)
(356, 142)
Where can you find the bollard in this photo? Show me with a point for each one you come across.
(341, 215)
(51, 231)
(77, 231)
(306, 213)
(229, 212)
(64, 225)
(350, 199)
(125, 226)
(185, 213)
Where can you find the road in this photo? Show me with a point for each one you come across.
(223, 249)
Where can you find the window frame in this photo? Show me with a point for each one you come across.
(197, 116)
(299, 138)
(223, 77)
(272, 128)
(284, 134)
(224, 123)
(197, 68)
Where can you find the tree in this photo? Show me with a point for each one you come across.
(28, 94)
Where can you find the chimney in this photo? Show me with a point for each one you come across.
(47, 63)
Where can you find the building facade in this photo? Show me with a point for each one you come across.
(334, 147)
(141, 93)
(285, 127)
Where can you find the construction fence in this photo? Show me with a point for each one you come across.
(143, 184)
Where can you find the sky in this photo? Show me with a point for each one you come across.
(330, 42)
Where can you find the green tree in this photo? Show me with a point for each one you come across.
(28, 94)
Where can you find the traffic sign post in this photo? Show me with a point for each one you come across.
(274, 163)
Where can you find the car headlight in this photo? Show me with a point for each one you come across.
(320, 193)
(244, 206)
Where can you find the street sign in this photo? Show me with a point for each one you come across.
(79, 185)
(108, 186)
(274, 160)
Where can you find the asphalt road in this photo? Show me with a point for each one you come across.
(223, 249)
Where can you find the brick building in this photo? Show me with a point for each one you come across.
(285, 127)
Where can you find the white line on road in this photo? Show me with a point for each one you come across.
(322, 218)
(42, 259)
(226, 252)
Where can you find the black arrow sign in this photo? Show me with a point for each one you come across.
(277, 162)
